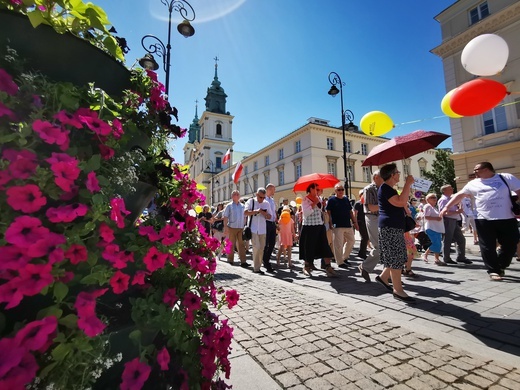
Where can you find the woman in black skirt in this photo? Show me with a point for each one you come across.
(313, 238)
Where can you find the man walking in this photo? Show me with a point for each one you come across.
(259, 211)
(233, 226)
(341, 214)
(452, 230)
(270, 237)
(371, 208)
(495, 220)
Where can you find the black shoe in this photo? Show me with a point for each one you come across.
(343, 266)
(449, 261)
(346, 262)
(270, 270)
(405, 299)
(465, 261)
(364, 274)
(362, 256)
(245, 265)
(259, 272)
(313, 268)
(387, 286)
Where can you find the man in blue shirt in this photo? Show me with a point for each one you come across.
(233, 225)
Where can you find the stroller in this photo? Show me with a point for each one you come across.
(424, 241)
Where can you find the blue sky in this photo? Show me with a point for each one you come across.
(275, 57)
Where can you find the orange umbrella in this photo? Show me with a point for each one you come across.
(323, 180)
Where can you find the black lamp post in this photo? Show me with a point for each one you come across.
(157, 46)
(210, 168)
(350, 174)
(336, 82)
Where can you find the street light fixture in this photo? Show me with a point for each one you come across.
(350, 174)
(157, 46)
(213, 172)
(336, 82)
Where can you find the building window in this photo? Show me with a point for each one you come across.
(255, 183)
(331, 167)
(297, 146)
(280, 154)
(421, 172)
(219, 130)
(297, 171)
(267, 179)
(348, 146)
(218, 162)
(495, 120)
(350, 173)
(364, 149)
(255, 165)
(406, 170)
(246, 170)
(330, 143)
(266, 160)
(367, 175)
(281, 177)
(478, 13)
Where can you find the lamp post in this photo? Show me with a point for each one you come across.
(336, 82)
(157, 46)
(350, 174)
(212, 171)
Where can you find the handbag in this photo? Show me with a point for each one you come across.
(219, 225)
(246, 232)
(515, 207)
(409, 223)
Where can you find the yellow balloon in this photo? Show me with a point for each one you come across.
(198, 209)
(445, 105)
(376, 123)
(298, 200)
(285, 217)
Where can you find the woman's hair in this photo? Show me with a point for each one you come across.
(308, 190)
(431, 195)
(387, 171)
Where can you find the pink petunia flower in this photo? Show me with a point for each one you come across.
(10, 360)
(149, 231)
(60, 157)
(170, 297)
(67, 118)
(65, 174)
(25, 231)
(46, 245)
(92, 182)
(97, 125)
(232, 297)
(163, 358)
(118, 212)
(22, 374)
(119, 282)
(191, 301)
(7, 84)
(135, 375)
(13, 257)
(106, 152)
(91, 325)
(22, 163)
(106, 233)
(27, 198)
(86, 302)
(117, 129)
(34, 278)
(138, 278)
(5, 177)
(35, 335)
(154, 259)
(77, 253)
(10, 293)
(67, 213)
(170, 234)
(52, 134)
(6, 111)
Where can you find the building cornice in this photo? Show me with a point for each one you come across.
(491, 24)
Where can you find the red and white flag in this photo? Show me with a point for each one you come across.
(227, 156)
(237, 173)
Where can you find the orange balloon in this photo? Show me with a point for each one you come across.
(298, 200)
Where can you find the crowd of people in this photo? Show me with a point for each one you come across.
(324, 227)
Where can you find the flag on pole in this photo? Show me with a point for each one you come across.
(227, 156)
(237, 173)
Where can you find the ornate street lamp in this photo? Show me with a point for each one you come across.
(157, 46)
(336, 82)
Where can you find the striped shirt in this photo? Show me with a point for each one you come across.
(311, 217)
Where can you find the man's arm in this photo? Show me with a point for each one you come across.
(455, 199)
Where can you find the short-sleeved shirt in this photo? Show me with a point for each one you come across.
(370, 193)
(360, 212)
(492, 196)
(389, 215)
(436, 226)
(258, 221)
(234, 212)
(340, 211)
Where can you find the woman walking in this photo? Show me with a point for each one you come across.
(434, 228)
(391, 230)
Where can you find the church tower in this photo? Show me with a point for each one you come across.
(210, 137)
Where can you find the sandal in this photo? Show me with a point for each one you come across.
(307, 271)
(495, 277)
(425, 258)
(409, 273)
(439, 262)
(330, 271)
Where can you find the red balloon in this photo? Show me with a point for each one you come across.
(477, 96)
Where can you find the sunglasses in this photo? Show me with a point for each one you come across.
(261, 197)
(340, 189)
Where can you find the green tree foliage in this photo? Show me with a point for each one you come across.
(443, 171)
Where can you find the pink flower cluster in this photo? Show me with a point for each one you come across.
(86, 308)
(216, 342)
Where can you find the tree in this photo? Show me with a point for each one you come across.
(443, 171)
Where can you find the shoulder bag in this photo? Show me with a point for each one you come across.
(409, 223)
(246, 233)
(515, 207)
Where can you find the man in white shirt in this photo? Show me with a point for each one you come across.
(259, 211)
(270, 234)
(495, 220)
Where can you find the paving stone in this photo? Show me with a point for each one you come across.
(288, 379)
(320, 368)
(478, 380)
(335, 379)
(292, 363)
(383, 379)
(443, 375)
(431, 381)
(275, 368)
(352, 375)
(453, 370)
(510, 384)
(465, 386)
(367, 384)
(319, 384)
(298, 387)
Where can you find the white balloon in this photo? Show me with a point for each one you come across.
(485, 55)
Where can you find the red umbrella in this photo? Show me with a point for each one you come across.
(404, 146)
(324, 180)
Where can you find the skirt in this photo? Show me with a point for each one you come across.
(392, 247)
(314, 244)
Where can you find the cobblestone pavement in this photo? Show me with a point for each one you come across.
(341, 333)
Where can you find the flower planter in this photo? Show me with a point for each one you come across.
(62, 57)
(137, 201)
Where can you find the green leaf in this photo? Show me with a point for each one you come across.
(94, 278)
(98, 199)
(50, 311)
(60, 291)
(48, 368)
(135, 335)
(60, 352)
(8, 138)
(36, 18)
(103, 180)
(70, 321)
(93, 164)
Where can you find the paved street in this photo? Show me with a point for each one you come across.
(343, 333)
